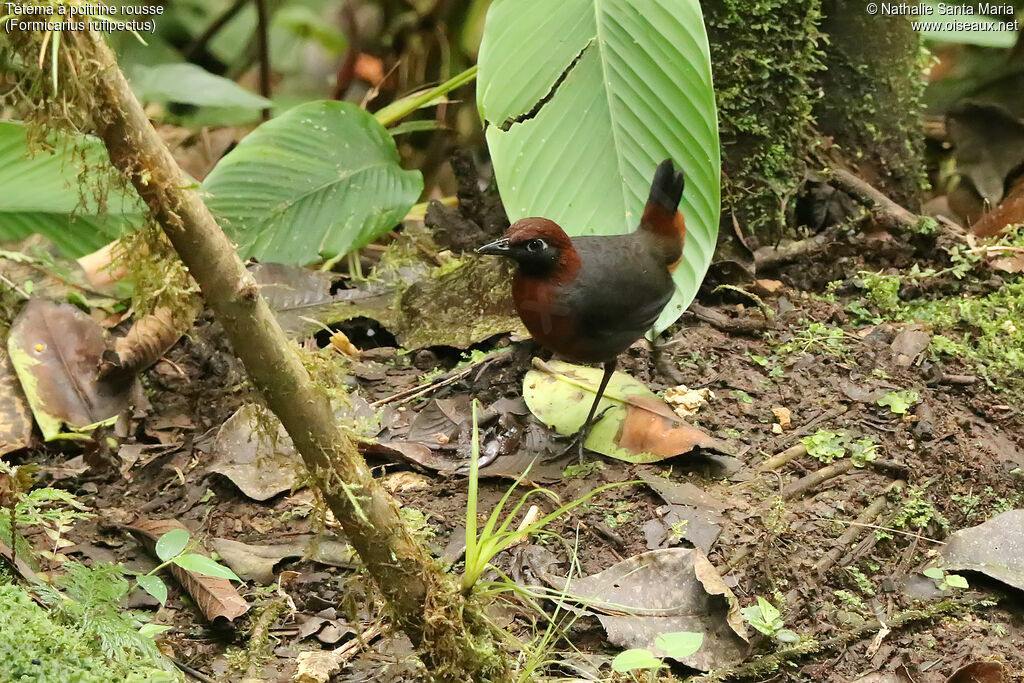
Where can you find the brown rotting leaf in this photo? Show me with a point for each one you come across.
(217, 598)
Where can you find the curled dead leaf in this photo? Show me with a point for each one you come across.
(56, 350)
(15, 414)
(666, 591)
(637, 426)
(217, 598)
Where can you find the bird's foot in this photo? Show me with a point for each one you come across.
(578, 438)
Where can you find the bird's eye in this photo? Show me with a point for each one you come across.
(535, 245)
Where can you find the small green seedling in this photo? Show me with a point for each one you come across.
(767, 619)
(170, 548)
(899, 402)
(678, 645)
(825, 445)
(944, 581)
(497, 534)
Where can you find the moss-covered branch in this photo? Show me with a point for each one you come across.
(424, 601)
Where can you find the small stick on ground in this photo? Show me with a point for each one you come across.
(722, 322)
(804, 485)
(193, 673)
(891, 213)
(784, 458)
(855, 531)
(768, 257)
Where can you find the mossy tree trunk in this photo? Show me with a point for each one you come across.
(425, 602)
(871, 97)
(764, 56)
(787, 73)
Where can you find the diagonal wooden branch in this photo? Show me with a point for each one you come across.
(424, 602)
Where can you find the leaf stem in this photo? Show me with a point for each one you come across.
(397, 111)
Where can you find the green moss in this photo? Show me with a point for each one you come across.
(34, 647)
(984, 330)
(765, 54)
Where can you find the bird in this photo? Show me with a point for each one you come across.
(589, 298)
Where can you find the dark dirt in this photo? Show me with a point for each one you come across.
(952, 453)
(958, 442)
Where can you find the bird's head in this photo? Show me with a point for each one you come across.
(540, 248)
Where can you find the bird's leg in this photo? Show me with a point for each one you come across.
(581, 435)
(663, 364)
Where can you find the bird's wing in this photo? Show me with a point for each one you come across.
(625, 286)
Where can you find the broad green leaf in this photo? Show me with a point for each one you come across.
(171, 544)
(956, 581)
(583, 98)
(764, 617)
(55, 193)
(638, 427)
(999, 32)
(153, 585)
(635, 659)
(201, 564)
(934, 573)
(300, 23)
(312, 184)
(680, 644)
(191, 84)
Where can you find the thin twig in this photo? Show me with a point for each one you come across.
(263, 46)
(850, 536)
(887, 529)
(199, 44)
(784, 458)
(888, 210)
(436, 383)
(194, 673)
(722, 322)
(814, 479)
(423, 389)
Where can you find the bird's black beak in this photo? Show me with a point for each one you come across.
(496, 248)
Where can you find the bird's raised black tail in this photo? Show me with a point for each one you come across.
(667, 187)
(662, 216)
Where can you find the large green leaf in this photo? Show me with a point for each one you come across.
(582, 100)
(191, 84)
(316, 182)
(54, 193)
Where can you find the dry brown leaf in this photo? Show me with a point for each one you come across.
(651, 427)
(980, 672)
(217, 598)
(148, 339)
(261, 465)
(256, 562)
(56, 349)
(664, 591)
(15, 414)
